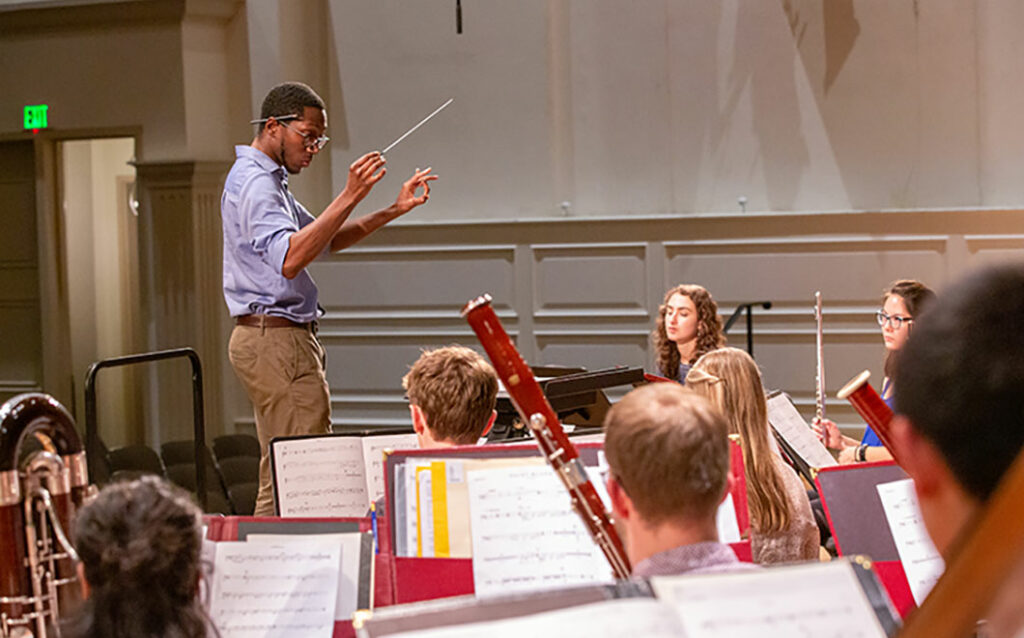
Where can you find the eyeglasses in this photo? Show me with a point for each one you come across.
(895, 321)
(308, 140)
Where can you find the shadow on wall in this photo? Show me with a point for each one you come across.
(769, 71)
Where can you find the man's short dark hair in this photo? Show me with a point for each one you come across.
(960, 376)
(289, 98)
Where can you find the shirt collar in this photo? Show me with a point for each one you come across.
(262, 160)
(685, 558)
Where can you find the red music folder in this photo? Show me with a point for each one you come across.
(849, 495)
(424, 578)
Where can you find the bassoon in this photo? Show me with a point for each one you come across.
(556, 447)
(871, 408)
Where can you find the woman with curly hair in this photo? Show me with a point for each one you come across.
(139, 543)
(688, 326)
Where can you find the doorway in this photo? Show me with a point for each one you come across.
(99, 217)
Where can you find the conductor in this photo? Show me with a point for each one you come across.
(269, 240)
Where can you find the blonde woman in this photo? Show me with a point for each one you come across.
(782, 527)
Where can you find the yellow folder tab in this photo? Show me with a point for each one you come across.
(439, 494)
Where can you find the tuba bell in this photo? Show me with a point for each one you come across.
(43, 482)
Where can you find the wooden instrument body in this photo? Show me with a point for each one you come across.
(533, 406)
(871, 408)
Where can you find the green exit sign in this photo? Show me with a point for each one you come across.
(35, 116)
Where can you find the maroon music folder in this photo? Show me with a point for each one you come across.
(849, 495)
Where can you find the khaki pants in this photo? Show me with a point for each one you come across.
(282, 370)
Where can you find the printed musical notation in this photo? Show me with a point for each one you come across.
(373, 458)
(815, 600)
(525, 534)
(348, 560)
(921, 561)
(269, 590)
(321, 476)
(783, 416)
(332, 475)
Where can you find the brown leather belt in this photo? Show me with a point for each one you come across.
(269, 321)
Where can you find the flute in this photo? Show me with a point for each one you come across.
(819, 397)
(556, 447)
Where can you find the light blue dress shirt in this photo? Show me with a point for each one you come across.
(259, 216)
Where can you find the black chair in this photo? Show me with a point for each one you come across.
(239, 469)
(136, 458)
(241, 476)
(231, 445)
(184, 476)
(99, 463)
(243, 498)
(178, 452)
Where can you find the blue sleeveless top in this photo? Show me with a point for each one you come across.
(870, 438)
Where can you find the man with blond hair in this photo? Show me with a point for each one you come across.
(668, 455)
(452, 392)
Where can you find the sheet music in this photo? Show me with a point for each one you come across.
(726, 521)
(411, 509)
(263, 590)
(525, 534)
(373, 459)
(320, 476)
(625, 617)
(425, 527)
(786, 420)
(349, 545)
(814, 600)
(921, 561)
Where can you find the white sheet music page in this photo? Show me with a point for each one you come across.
(265, 590)
(373, 459)
(320, 476)
(921, 561)
(727, 522)
(642, 617)
(783, 416)
(348, 563)
(526, 535)
(813, 600)
(425, 497)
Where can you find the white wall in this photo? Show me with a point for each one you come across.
(653, 107)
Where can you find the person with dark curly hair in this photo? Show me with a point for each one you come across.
(688, 326)
(139, 544)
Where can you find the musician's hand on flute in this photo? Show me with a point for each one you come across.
(828, 433)
(407, 197)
